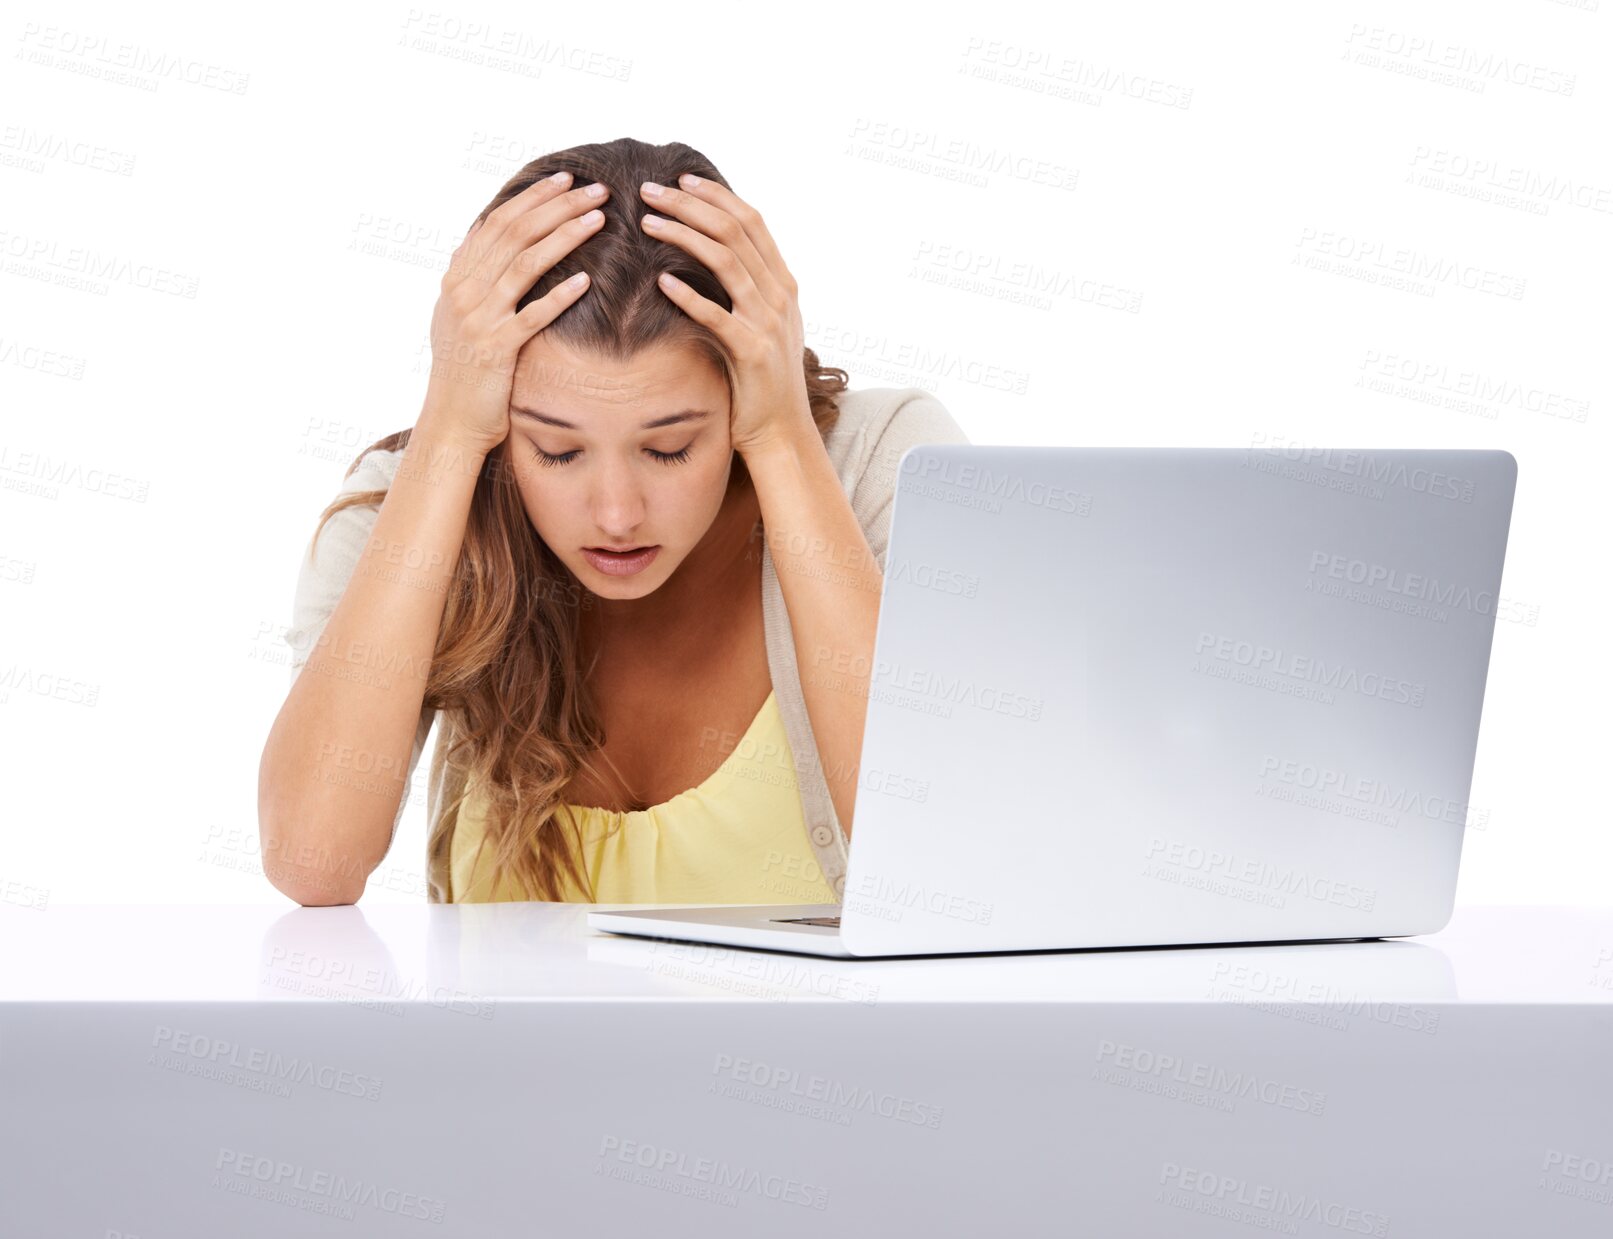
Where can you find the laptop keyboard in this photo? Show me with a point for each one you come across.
(833, 922)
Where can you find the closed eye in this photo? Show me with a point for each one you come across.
(565, 458)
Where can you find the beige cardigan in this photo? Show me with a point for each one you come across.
(875, 427)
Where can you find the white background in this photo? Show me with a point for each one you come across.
(214, 297)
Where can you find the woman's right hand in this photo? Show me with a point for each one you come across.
(475, 331)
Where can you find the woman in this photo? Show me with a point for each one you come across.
(630, 553)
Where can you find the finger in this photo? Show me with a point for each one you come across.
(721, 226)
(713, 255)
(489, 247)
(541, 190)
(703, 310)
(750, 219)
(538, 314)
(495, 260)
(458, 264)
(526, 267)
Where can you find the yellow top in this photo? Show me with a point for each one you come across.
(739, 837)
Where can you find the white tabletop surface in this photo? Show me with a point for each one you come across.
(483, 952)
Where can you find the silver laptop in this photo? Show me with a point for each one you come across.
(1161, 696)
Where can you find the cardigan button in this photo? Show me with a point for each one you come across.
(840, 887)
(821, 836)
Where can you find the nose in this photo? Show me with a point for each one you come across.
(618, 503)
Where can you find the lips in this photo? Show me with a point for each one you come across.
(620, 563)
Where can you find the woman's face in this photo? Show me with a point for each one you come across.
(611, 478)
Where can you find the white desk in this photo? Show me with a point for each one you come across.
(491, 1070)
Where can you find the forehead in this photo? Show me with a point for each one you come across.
(570, 382)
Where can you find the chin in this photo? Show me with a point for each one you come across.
(619, 590)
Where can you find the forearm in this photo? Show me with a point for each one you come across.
(831, 585)
(333, 770)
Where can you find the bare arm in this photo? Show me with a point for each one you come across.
(833, 601)
(831, 572)
(338, 757)
(334, 767)
(833, 606)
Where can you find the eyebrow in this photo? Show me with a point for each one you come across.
(671, 419)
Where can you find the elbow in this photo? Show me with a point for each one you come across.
(315, 892)
(313, 885)
(313, 876)
(316, 865)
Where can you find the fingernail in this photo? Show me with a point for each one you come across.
(561, 177)
(652, 189)
(653, 221)
(596, 190)
(689, 180)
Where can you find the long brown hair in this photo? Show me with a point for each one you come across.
(506, 664)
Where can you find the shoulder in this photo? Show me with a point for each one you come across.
(374, 471)
(877, 425)
(874, 416)
(336, 544)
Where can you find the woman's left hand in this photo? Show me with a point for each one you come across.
(763, 332)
